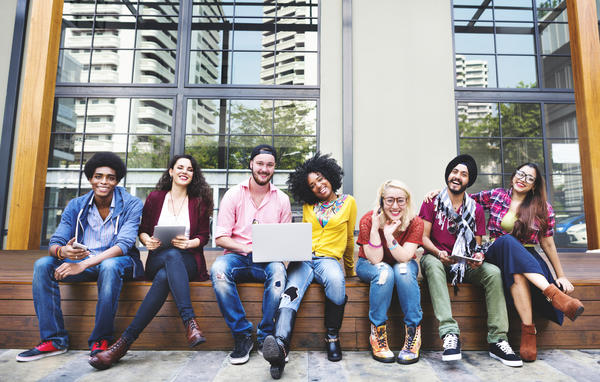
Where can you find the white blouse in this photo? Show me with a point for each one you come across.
(167, 218)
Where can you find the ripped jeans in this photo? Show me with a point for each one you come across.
(382, 277)
(231, 268)
(327, 271)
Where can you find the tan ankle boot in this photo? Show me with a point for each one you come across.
(193, 333)
(528, 343)
(570, 306)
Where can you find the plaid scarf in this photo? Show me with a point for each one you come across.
(465, 227)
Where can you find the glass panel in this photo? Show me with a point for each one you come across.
(564, 154)
(486, 182)
(485, 151)
(251, 117)
(295, 68)
(111, 65)
(73, 65)
(557, 72)
(521, 120)
(478, 119)
(65, 150)
(212, 8)
(517, 72)
(303, 39)
(148, 151)
(240, 148)
(295, 117)
(67, 114)
(253, 9)
(474, 42)
(561, 121)
(155, 66)
(211, 34)
(209, 150)
(157, 33)
(519, 151)
(250, 40)
(514, 38)
(469, 13)
(570, 229)
(552, 10)
(113, 38)
(114, 8)
(519, 12)
(554, 38)
(566, 196)
(158, 8)
(293, 151)
(206, 116)
(151, 116)
(209, 67)
(252, 68)
(476, 71)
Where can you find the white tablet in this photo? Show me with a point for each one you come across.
(281, 242)
(166, 233)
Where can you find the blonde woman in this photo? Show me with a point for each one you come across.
(388, 239)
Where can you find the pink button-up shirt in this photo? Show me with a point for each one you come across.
(237, 212)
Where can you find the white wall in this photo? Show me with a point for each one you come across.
(7, 23)
(404, 113)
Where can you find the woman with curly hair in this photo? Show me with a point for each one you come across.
(388, 239)
(183, 198)
(333, 217)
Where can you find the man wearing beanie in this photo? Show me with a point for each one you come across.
(95, 241)
(255, 201)
(453, 226)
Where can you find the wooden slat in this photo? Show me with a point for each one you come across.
(33, 141)
(585, 59)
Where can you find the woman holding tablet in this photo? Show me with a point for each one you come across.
(388, 238)
(182, 198)
(333, 217)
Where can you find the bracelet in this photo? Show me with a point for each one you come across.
(394, 245)
(58, 253)
(375, 246)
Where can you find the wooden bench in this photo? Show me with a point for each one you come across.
(19, 327)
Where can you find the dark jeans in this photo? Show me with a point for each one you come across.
(171, 270)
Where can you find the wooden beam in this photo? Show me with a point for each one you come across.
(585, 57)
(33, 140)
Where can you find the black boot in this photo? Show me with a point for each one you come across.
(334, 314)
(277, 347)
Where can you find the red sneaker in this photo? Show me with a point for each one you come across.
(99, 346)
(44, 349)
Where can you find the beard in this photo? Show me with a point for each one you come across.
(462, 189)
(259, 181)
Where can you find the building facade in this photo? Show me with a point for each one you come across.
(153, 78)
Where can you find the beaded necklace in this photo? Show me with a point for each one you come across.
(326, 210)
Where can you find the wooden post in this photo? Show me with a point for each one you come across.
(585, 56)
(33, 140)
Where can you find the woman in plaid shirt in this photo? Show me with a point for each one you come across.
(521, 217)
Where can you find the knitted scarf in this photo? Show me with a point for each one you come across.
(465, 230)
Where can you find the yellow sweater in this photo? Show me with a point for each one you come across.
(336, 239)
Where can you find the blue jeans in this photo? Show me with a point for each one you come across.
(171, 270)
(109, 274)
(231, 268)
(382, 278)
(327, 271)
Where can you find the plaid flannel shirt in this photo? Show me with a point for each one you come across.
(497, 202)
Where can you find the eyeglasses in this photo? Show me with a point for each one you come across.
(390, 201)
(522, 175)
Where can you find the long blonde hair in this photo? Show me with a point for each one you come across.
(409, 212)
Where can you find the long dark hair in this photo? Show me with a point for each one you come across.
(198, 188)
(533, 211)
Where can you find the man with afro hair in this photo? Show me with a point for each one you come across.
(95, 241)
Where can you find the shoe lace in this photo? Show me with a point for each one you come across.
(410, 341)
(193, 325)
(505, 347)
(117, 345)
(450, 341)
(382, 338)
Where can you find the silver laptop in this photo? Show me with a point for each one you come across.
(281, 242)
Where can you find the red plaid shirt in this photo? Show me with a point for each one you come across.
(497, 201)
